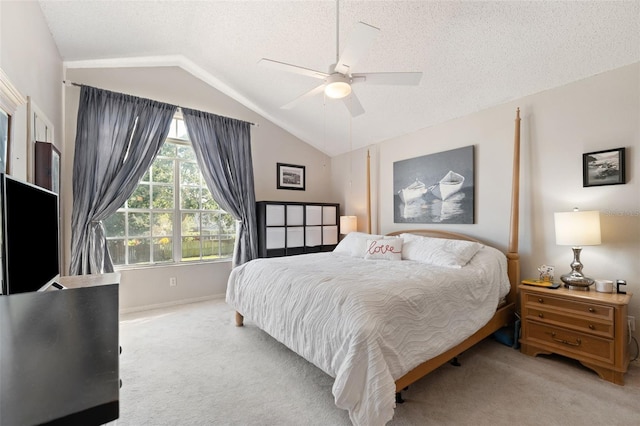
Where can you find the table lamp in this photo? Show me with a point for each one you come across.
(577, 229)
(348, 224)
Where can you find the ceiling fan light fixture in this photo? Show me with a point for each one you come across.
(337, 86)
(338, 90)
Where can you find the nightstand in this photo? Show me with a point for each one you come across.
(587, 326)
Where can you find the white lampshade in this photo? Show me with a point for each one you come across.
(577, 228)
(348, 224)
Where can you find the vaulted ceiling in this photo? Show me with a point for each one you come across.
(473, 55)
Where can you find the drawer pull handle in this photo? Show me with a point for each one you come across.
(592, 310)
(592, 327)
(541, 315)
(540, 300)
(566, 342)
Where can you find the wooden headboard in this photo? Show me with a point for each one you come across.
(436, 234)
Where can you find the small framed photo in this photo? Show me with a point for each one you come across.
(291, 176)
(603, 168)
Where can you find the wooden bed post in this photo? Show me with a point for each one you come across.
(512, 254)
(239, 319)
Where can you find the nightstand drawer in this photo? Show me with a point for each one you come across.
(572, 343)
(595, 326)
(588, 309)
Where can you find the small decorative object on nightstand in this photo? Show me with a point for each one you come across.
(589, 327)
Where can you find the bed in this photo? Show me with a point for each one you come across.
(382, 311)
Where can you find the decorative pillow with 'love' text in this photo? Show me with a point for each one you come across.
(384, 249)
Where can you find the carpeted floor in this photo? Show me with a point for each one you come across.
(190, 365)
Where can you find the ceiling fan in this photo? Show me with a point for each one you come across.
(338, 80)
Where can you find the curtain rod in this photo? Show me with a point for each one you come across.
(71, 83)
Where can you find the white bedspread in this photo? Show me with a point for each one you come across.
(367, 322)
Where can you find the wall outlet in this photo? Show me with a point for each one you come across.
(632, 323)
(173, 282)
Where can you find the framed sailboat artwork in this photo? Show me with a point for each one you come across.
(435, 188)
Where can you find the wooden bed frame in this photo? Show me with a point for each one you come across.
(504, 314)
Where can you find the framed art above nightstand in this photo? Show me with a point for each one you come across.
(588, 326)
(603, 168)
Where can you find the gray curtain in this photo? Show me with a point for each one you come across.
(223, 149)
(118, 136)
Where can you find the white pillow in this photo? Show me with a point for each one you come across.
(354, 244)
(384, 249)
(438, 251)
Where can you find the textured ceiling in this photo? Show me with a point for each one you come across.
(473, 55)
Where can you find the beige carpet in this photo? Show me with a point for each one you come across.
(189, 365)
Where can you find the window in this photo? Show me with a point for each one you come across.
(171, 216)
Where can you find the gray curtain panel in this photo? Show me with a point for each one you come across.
(118, 136)
(223, 150)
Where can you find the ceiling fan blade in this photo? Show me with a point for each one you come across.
(389, 78)
(309, 94)
(357, 46)
(292, 68)
(353, 105)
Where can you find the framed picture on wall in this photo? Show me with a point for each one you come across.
(603, 168)
(291, 176)
(435, 188)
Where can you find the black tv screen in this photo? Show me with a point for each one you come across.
(30, 236)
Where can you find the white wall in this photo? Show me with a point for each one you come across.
(148, 287)
(558, 126)
(30, 58)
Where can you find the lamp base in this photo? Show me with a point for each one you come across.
(575, 281)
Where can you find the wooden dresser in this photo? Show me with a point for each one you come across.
(587, 326)
(59, 353)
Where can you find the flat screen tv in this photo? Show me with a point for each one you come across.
(29, 236)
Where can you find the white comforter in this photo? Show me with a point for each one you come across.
(367, 322)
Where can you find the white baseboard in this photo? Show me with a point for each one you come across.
(171, 303)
